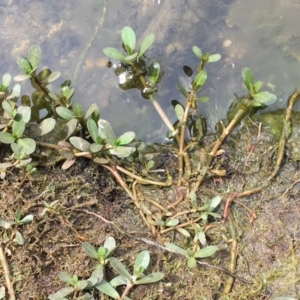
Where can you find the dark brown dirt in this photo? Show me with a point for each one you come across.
(61, 202)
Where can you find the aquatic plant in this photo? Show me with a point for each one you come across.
(71, 133)
(97, 281)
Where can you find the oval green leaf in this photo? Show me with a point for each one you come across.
(129, 39)
(214, 58)
(107, 289)
(21, 77)
(199, 80)
(93, 111)
(154, 72)
(197, 52)
(147, 42)
(248, 78)
(6, 80)
(119, 268)
(153, 277)
(93, 129)
(125, 138)
(142, 261)
(115, 54)
(90, 250)
(105, 132)
(80, 143)
(95, 147)
(26, 145)
(24, 65)
(64, 112)
(206, 252)
(18, 128)
(25, 111)
(53, 76)
(45, 127)
(265, 98)
(34, 56)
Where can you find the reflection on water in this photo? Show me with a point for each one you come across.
(258, 34)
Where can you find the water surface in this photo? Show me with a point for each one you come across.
(261, 35)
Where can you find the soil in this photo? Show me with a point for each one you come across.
(68, 205)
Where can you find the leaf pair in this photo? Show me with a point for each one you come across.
(261, 98)
(129, 41)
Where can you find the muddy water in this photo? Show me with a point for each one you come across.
(72, 34)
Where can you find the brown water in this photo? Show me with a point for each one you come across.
(262, 35)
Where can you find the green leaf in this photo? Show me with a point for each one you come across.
(265, 98)
(197, 52)
(93, 112)
(199, 80)
(200, 235)
(248, 79)
(59, 295)
(16, 91)
(64, 112)
(129, 39)
(78, 110)
(125, 138)
(71, 127)
(122, 151)
(34, 56)
(153, 277)
(67, 92)
(18, 216)
(5, 224)
(22, 77)
(150, 164)
(182, 90)
(183, 232)
(214, 202)
(90, 250)
(214, 58)
(26, 219)
(96, 276)
(147, 42)
(65, 277)
(131, 57)
(6, 80)
(19, 238)
(93, 129)
(95, 147)
(179, 110)
(119, 268)
(206, 252)
(115, 54)
(6, 138)
(24, 65)
(142, 262)
(107, 289)
(80, 143)
(257, 86)
(82, 284)
(26, 146)
(119, 280)
(154, 72)
(105, 132)
(176, 248)
(192, 263)
(202, 99)
(46, 126)
(172, 222)
(25, 111)
(53, 76)
(110, 245)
